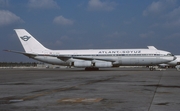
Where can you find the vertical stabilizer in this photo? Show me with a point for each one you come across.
(29, 43)
(152, 47)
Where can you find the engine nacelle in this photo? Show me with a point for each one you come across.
(90, 64)
(82, 64)
(163, 65)
(102, 64)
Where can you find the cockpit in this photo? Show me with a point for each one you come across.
(169, 54)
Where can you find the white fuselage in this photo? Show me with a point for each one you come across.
(104, 57)
(96, 58)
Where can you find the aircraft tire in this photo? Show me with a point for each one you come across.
(151, 69)
(91, 69)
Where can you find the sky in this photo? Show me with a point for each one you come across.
(90, 24)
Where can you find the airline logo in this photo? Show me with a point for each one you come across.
(25, 38)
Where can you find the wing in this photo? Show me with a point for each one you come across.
(89, 58)
(64, 57)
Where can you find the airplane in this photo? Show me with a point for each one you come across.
(175, 63)
(91, 59)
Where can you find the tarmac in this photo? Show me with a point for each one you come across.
(109, 89)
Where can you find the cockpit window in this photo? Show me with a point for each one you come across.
(169, 54)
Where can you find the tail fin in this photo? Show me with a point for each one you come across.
(29, 43)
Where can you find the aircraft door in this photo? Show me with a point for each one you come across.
(119, 59)
(157, 57)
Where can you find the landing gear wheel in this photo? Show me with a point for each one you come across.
(151, 69)
(91, 69)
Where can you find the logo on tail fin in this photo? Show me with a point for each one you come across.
(25, 38)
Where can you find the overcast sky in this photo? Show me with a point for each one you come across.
(90, 24)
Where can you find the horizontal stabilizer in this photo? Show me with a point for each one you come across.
(24, 53)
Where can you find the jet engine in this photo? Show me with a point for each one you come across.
(102, 64)
(82, 64)
(90, 64)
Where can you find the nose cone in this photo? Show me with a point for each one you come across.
(174, 58)
(168, 59)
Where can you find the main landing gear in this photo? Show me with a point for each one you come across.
(152, 68)
(178, 67)
(91, 69)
